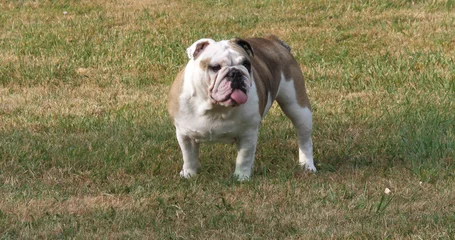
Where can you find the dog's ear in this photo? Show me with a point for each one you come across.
(245, 45)
(197, 47)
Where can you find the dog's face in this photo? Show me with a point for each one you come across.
(223, 69)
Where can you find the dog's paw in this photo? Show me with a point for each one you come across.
(187, 173)
(309, 167)
(241, 177)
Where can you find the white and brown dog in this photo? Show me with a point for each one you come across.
(225, 90)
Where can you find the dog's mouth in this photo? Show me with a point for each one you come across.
(230, 92)
(233, 98)
(228, 95)
(230, 88)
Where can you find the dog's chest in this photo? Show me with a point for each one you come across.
(210, 129)
(224, 128)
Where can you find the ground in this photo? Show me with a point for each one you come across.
(87, 149)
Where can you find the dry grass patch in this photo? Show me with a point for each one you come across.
(74, 205)
(50, 102)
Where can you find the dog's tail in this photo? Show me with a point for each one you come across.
(280, 42)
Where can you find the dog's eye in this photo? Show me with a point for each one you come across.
(247, 65)
(215, 68)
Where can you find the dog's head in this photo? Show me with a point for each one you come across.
(223, 68)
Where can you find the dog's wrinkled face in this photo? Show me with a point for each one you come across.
(224, 69)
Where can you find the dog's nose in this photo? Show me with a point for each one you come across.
(234, 74)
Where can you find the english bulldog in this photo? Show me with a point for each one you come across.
(226, 89)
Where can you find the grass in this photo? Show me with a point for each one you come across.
(87, 149)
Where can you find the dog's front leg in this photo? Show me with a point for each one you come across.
(190, 152)
(246, 150)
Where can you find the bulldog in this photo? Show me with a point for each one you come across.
(226, 89)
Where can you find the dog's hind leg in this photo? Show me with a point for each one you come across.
(295, 104)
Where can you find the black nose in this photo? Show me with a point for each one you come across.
(234, 74)
(236, 78)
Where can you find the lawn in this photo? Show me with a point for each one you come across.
(87, 149)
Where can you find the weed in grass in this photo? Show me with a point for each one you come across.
(382, 204)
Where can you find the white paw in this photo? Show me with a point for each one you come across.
(309, 167)
(242, 176)
(187, 173)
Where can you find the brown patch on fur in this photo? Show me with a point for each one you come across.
(204, 64)
(174, 94)
(199, 48)
(243, 44)
(299, 85)
(237, 47)
(272, 57)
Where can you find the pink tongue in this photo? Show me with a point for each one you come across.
(239, 96)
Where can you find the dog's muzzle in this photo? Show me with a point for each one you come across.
(232, 89)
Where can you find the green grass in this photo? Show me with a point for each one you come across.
(87, 149)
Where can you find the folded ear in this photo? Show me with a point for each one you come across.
(194, 50)
(245, 45)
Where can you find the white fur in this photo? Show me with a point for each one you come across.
(301, 117)
(206, 124)
(201, 120)
(190, 51)
(269, 103)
